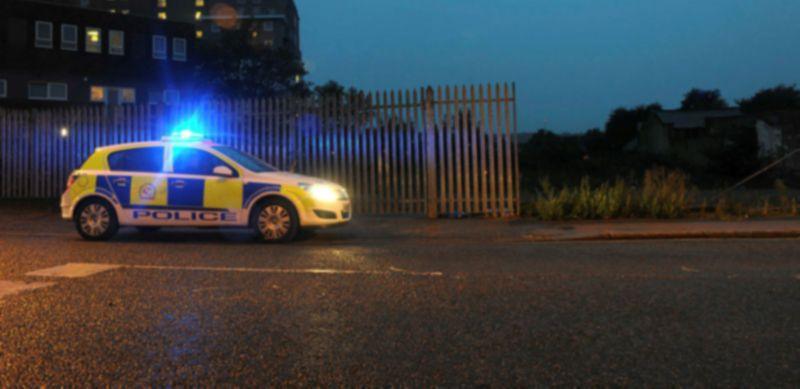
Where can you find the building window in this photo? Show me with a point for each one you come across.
(155, 97)
(69, 37)
(47, 91)
(198, 34)
(162, 15)
(199, 3)
(110, 95)
(44, 35)
(179, 49)
(198, 15)
(269, 42)
(57, 91)
(116, 42)
(162, 3)
(94, 40)
(97, 94)
(171, 96)
(127, 96)
(159, 47)
(37, 91)
(269, 25)
(3, 88)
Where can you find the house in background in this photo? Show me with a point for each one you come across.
(52, 54)
(779, 134)
(693, 136)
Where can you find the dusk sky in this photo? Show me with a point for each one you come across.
(573, 60)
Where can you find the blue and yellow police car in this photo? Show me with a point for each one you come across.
(185, 181)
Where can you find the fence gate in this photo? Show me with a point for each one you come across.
(448, 151)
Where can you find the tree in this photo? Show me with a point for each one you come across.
(331, 89)
(779, 98)
(703, 100)
(235, 68)
(622, 125)
(549, 154)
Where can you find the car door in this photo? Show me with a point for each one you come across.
(194, 186)
(137, 177)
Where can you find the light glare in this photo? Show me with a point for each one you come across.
(323, 193)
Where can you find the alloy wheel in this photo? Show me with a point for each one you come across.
(95, 220)
(274, 222)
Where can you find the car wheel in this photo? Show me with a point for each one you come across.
(96, 220)
(275, 221)
(147, 230)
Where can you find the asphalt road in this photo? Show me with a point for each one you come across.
(202, 307)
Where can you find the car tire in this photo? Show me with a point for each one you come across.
(96, 220)
(275, 221)
(147, 230)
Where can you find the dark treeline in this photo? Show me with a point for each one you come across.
(607, 154)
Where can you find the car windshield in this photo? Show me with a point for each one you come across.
(249, 162)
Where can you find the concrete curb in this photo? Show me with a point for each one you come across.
(688, 235)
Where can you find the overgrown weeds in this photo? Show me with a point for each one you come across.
(661, 194)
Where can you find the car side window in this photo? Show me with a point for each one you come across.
(188, 160)
(144, 159)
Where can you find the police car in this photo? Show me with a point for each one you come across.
(184, 181)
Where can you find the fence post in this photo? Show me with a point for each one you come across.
(432, 198)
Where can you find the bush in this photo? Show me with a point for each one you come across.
(663, 195)
(551, 204)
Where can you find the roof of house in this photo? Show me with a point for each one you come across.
(694, 119)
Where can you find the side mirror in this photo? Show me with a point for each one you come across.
(223, 171)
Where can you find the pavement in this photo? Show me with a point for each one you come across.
(399, 301)
(526, 230)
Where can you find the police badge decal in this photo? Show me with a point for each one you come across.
(147, 192)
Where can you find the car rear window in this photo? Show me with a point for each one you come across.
(145, 159)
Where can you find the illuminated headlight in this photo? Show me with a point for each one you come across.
(323, 193)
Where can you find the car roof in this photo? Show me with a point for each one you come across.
(161, 143)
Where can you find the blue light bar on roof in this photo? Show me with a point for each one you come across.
(189, 130)
(184, 136)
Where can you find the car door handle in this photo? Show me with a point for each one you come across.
(179, 184)
(121, 182)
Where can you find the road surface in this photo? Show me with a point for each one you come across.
(203, 307)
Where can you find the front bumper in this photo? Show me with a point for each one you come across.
(330, 214)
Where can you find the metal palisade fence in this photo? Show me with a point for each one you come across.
(448, 151)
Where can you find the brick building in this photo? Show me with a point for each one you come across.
(52, 54)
